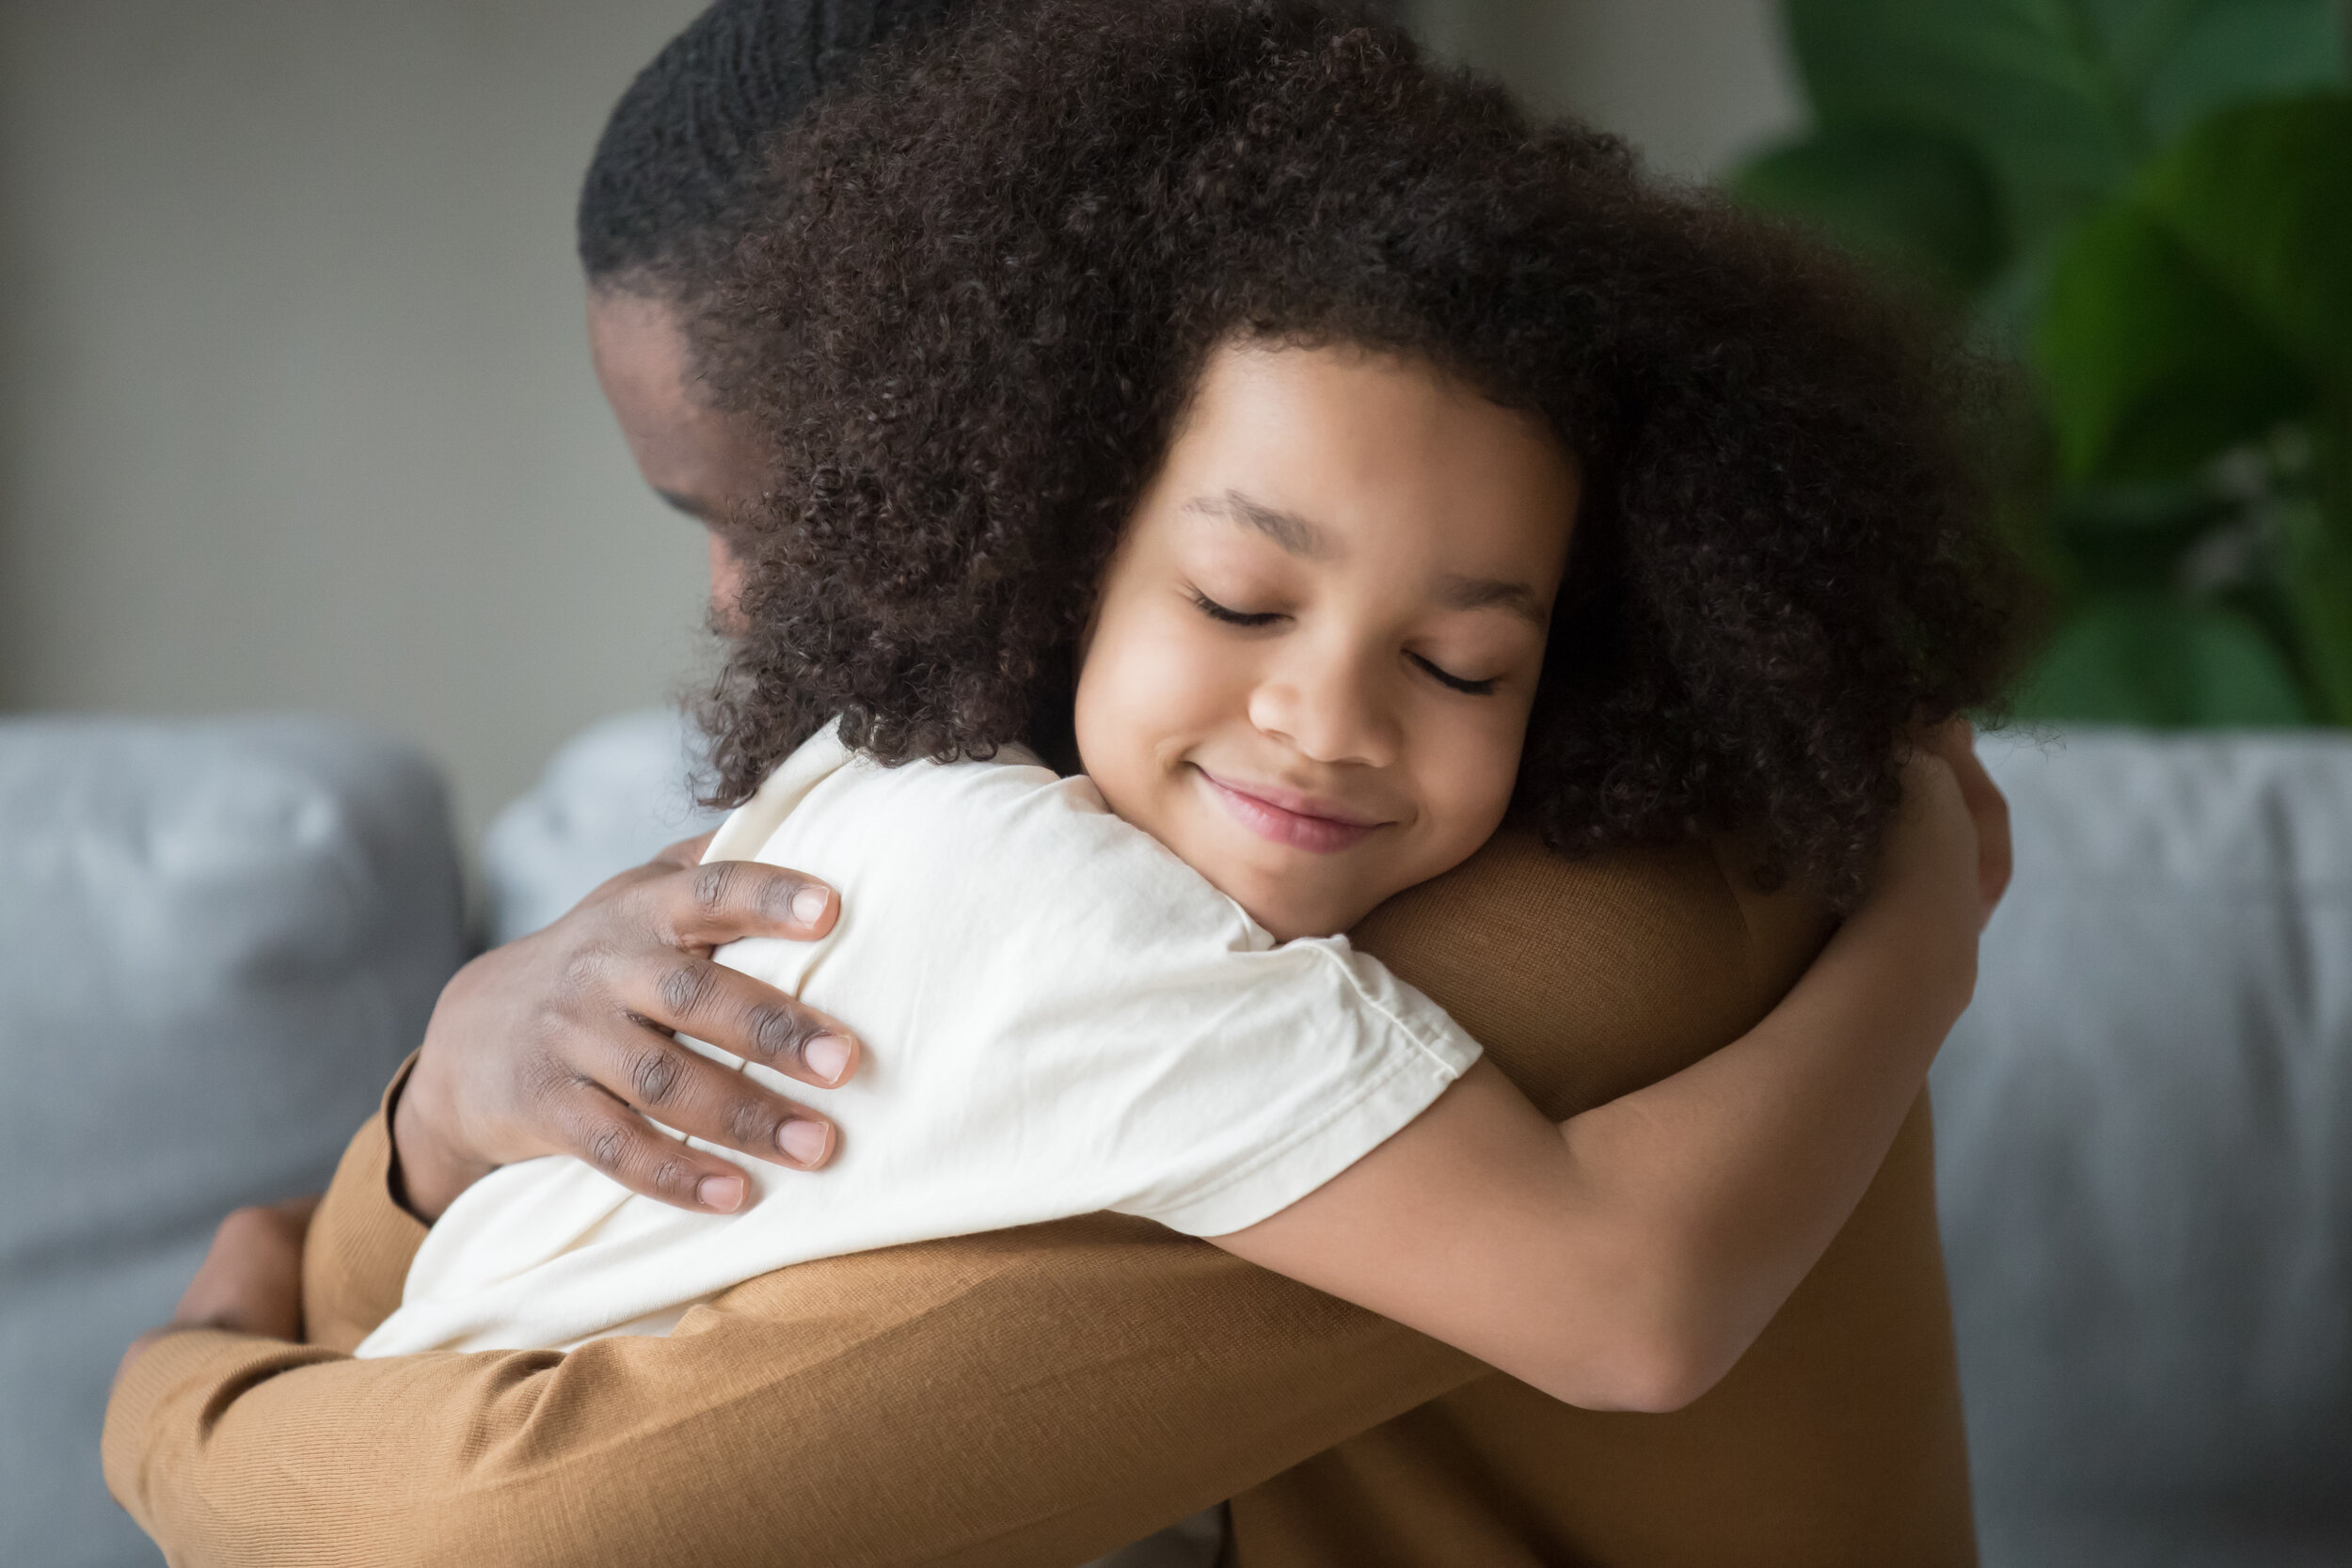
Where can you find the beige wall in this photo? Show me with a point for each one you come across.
(1691, 83)
(294, 406)
(296, 411)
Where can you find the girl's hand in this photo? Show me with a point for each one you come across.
(560, 1043)
(1955, 743)
(1937, 872)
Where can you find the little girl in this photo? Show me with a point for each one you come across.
(1216, 399)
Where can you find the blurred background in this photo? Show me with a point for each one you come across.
(294, 410)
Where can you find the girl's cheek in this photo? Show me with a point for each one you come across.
(1474, 765)
(1184, 667)
(1147, 686)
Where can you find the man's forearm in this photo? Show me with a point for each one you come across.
(1038, 1395)
(889, 1409)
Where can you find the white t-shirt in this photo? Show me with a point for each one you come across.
(1059, 1016)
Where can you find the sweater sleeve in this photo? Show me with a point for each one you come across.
(356, 1259)
(893, 1408)
(1025, 1396)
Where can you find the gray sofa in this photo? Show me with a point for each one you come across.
(216, 940)
(2144, 1131)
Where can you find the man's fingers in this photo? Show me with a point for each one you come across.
(743, 1016)
(678, 1087)
(704, 906)
(684, 855)
(618, 1142)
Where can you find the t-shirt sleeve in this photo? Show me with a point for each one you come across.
(1332, 1057)
(1173, 1061)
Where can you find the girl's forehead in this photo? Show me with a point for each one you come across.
(1318, 451)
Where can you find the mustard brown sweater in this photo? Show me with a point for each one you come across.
(1040, 1396)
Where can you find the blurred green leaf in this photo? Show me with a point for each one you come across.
(2134, 535)
(2150, 367)
(2011, 78)
(1907, 200)
(2157, 660)
(2149, 201)
(2261, 194)
(2317, 551)
(2061, 98)
(2203, 55)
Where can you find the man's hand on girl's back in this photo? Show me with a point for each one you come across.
(560, 1043)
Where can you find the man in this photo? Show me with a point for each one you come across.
(1036, 1396)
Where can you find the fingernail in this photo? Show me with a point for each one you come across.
(808, 905)
(828, 1056)
(804, 1140)
(722, 1193)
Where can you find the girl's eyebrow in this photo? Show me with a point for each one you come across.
(1493, 593)
(1287, 528)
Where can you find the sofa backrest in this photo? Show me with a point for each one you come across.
(216, 941)
(610, 798)
(2144, 1131)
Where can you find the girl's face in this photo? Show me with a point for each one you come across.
(1310, 667)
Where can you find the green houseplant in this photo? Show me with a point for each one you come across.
(2146, 206)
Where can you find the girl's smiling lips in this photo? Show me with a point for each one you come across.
(1286, 817)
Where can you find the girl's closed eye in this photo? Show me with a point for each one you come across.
(1233, 617)
(1484, 688)
(1251, 619)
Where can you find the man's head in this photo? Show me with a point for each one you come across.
(667, 196)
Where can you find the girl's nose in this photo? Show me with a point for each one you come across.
(1331, 709)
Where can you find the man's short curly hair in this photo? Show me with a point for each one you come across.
(995, 271)
(663, 202)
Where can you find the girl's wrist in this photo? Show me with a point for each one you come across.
(1924, 937)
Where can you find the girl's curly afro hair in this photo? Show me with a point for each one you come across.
(995, 267)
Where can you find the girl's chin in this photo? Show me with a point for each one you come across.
(1288, 911)
(1289, 890)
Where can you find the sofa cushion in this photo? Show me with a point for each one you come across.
(216, 941)
(2145, 1158)
(611, 797)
